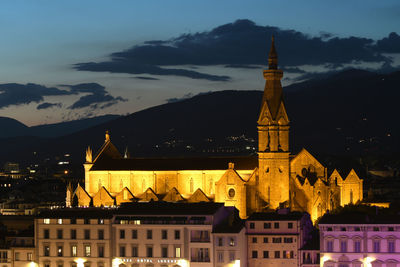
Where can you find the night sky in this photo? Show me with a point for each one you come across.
(64, 60)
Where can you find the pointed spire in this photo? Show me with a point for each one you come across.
(273, 56)
(107, 136)
(89, 155)
(126, 154)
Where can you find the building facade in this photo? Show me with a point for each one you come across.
(359, 241)
(273, 178)
(150, 234)
(274, 239)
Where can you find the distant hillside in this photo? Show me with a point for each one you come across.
(13, 128)
(350, 113)
(10, 127)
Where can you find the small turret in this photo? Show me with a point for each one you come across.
(107, 136)
(89, 155)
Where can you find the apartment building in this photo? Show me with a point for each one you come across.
(230, 244)
(73, 238)
(274, 239)
(360, 240)
(146, 234)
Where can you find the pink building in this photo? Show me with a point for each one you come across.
(359, 240)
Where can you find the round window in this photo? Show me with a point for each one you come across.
(231, 193)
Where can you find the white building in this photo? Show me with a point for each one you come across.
(148, 234)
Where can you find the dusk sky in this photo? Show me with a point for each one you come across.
(64, 60)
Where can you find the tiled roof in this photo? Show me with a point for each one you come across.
(163, 164)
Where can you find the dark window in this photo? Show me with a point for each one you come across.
(276, 225)
(122, 234)
(100, 251)
(73, 234)
(46, 251)
(59, 251)
(391, 229)
(288, 240)
(329, 229)
(252, 226)
(177, 234)
(59, 233)
(122, 251)
(266, 254)
(164, 234)
(134, 251)
(343, 229)
(357, 229)
(265, 239)
(277, 240)
(73, 221)
(87, 221)
(290, 225)
(254, 240)
(134, 234)
(254, 254)
(101, 234)
(149, 252)
(267, 225)
(164, 252)
(376, 229)
(46, 233)
(150, 235)
(87, 234)
(277, 254)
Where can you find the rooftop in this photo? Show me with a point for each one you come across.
(274, 216)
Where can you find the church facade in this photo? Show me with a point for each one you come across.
(274, 178)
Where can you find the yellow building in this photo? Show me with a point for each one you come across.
(274, 178)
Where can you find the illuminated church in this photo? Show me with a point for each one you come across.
(274, 178)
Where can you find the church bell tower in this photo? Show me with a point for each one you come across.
(273, 138)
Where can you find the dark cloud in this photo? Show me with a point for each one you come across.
(390, 44)
(98, 97)
(242, 66)
(95, 95)
(47, 105)
(242, 43)
(127, 66)
(176, 99)
(18, 94)
(146, 78)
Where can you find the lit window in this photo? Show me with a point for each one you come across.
(16, 255)
(232, 242)
(59, 221)
(101, 221)
(177, 252)
(87, 251)
(73, 250)
(136, 222)
(46, 221)
(29, 256)
(59, 251)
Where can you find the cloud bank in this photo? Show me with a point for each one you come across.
(243, 44)
(94, 95)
